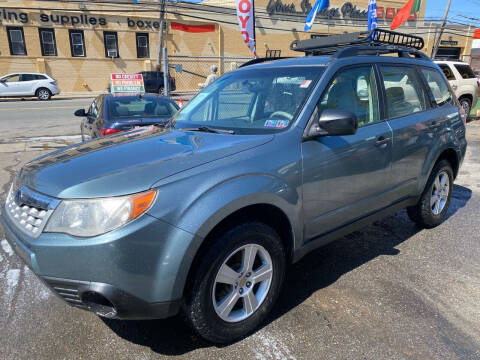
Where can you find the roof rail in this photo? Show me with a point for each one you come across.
(329, 45)
(262, 60)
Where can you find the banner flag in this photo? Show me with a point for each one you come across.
(411, 7)
(246, 21)
(319, 6)
(372, 15)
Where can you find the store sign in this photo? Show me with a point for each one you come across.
(347, 10)
(390, 13)
(380, 12)
(127, 84)
(61, 19)
(449, 42)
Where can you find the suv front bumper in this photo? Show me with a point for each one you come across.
(135, 272)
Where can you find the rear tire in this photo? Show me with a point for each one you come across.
(228, 296)
(431, 209)
(43, 94)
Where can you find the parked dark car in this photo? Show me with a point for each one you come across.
(266, 164)
(153, 81)
(109, 114)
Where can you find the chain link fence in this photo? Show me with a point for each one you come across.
(189, 71)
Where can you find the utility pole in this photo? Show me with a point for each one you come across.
(160, 34)
(437, 43)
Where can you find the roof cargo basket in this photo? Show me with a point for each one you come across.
(372, 42)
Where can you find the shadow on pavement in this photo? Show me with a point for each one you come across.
(315, 271)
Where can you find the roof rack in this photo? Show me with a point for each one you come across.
(377, 41)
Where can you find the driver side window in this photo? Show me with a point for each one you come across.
(354, 90)
(12, 78)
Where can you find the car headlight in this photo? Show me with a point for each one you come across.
(92, 217)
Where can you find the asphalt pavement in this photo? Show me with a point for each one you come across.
(390, 291)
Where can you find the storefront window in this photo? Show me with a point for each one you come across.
(16, 40)
(77, 43)
(111, 44)
(47, 42)
(142, 45)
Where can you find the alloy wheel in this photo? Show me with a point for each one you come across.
(440, 192)
(466, 106)
(43, 94)
(242, 283)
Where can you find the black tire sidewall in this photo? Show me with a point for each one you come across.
(199, 307)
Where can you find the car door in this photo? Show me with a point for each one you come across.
(9, 85)
(346, 177)
(408, 112)
(27, 84)
(89, 121)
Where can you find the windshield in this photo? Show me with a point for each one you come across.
(252, 101)
(127, 107)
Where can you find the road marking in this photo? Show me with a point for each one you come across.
(40, 108)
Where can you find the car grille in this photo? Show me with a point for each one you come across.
(29, 210)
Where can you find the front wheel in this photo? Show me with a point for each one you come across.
(236, 284)
(432, 207)
(466, 105)
(43, 94)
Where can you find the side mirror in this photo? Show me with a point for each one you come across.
(80, 112)
(333, 122)
(3, 80)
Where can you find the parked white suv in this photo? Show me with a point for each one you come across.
(28, 84)
(463, 81)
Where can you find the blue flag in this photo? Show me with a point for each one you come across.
(372, 15)
(319, 6)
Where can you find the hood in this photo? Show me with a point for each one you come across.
(128, 162)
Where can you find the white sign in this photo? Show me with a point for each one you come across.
(246, 18)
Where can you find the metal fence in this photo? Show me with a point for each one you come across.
(189, 71)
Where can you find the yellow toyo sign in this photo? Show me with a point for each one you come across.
(127, 84)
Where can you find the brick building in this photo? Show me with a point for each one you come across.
(81, 43)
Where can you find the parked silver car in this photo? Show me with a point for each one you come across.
(28, 84)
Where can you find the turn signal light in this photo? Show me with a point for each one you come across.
(141, 202)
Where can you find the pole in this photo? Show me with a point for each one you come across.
(166, 77)
(437, 44)
(254, 27)
(160, 34)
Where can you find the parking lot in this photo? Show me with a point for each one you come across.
(390, 291)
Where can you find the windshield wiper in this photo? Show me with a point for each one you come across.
(210, 130)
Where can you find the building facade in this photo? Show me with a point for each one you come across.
(81, 43)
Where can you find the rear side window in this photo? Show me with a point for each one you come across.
(355, 90)
(465, 71)
(40, 77)
(27, 77)
(438, 86)
(404, 91)
(447, 71)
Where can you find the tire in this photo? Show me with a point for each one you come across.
(431, 209)
(160, 90)
(207, 291)
(43, 94)
(466, 105)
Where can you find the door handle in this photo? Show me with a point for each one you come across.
(382, 141)
(435, 125)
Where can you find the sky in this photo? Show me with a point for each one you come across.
(458, 10)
